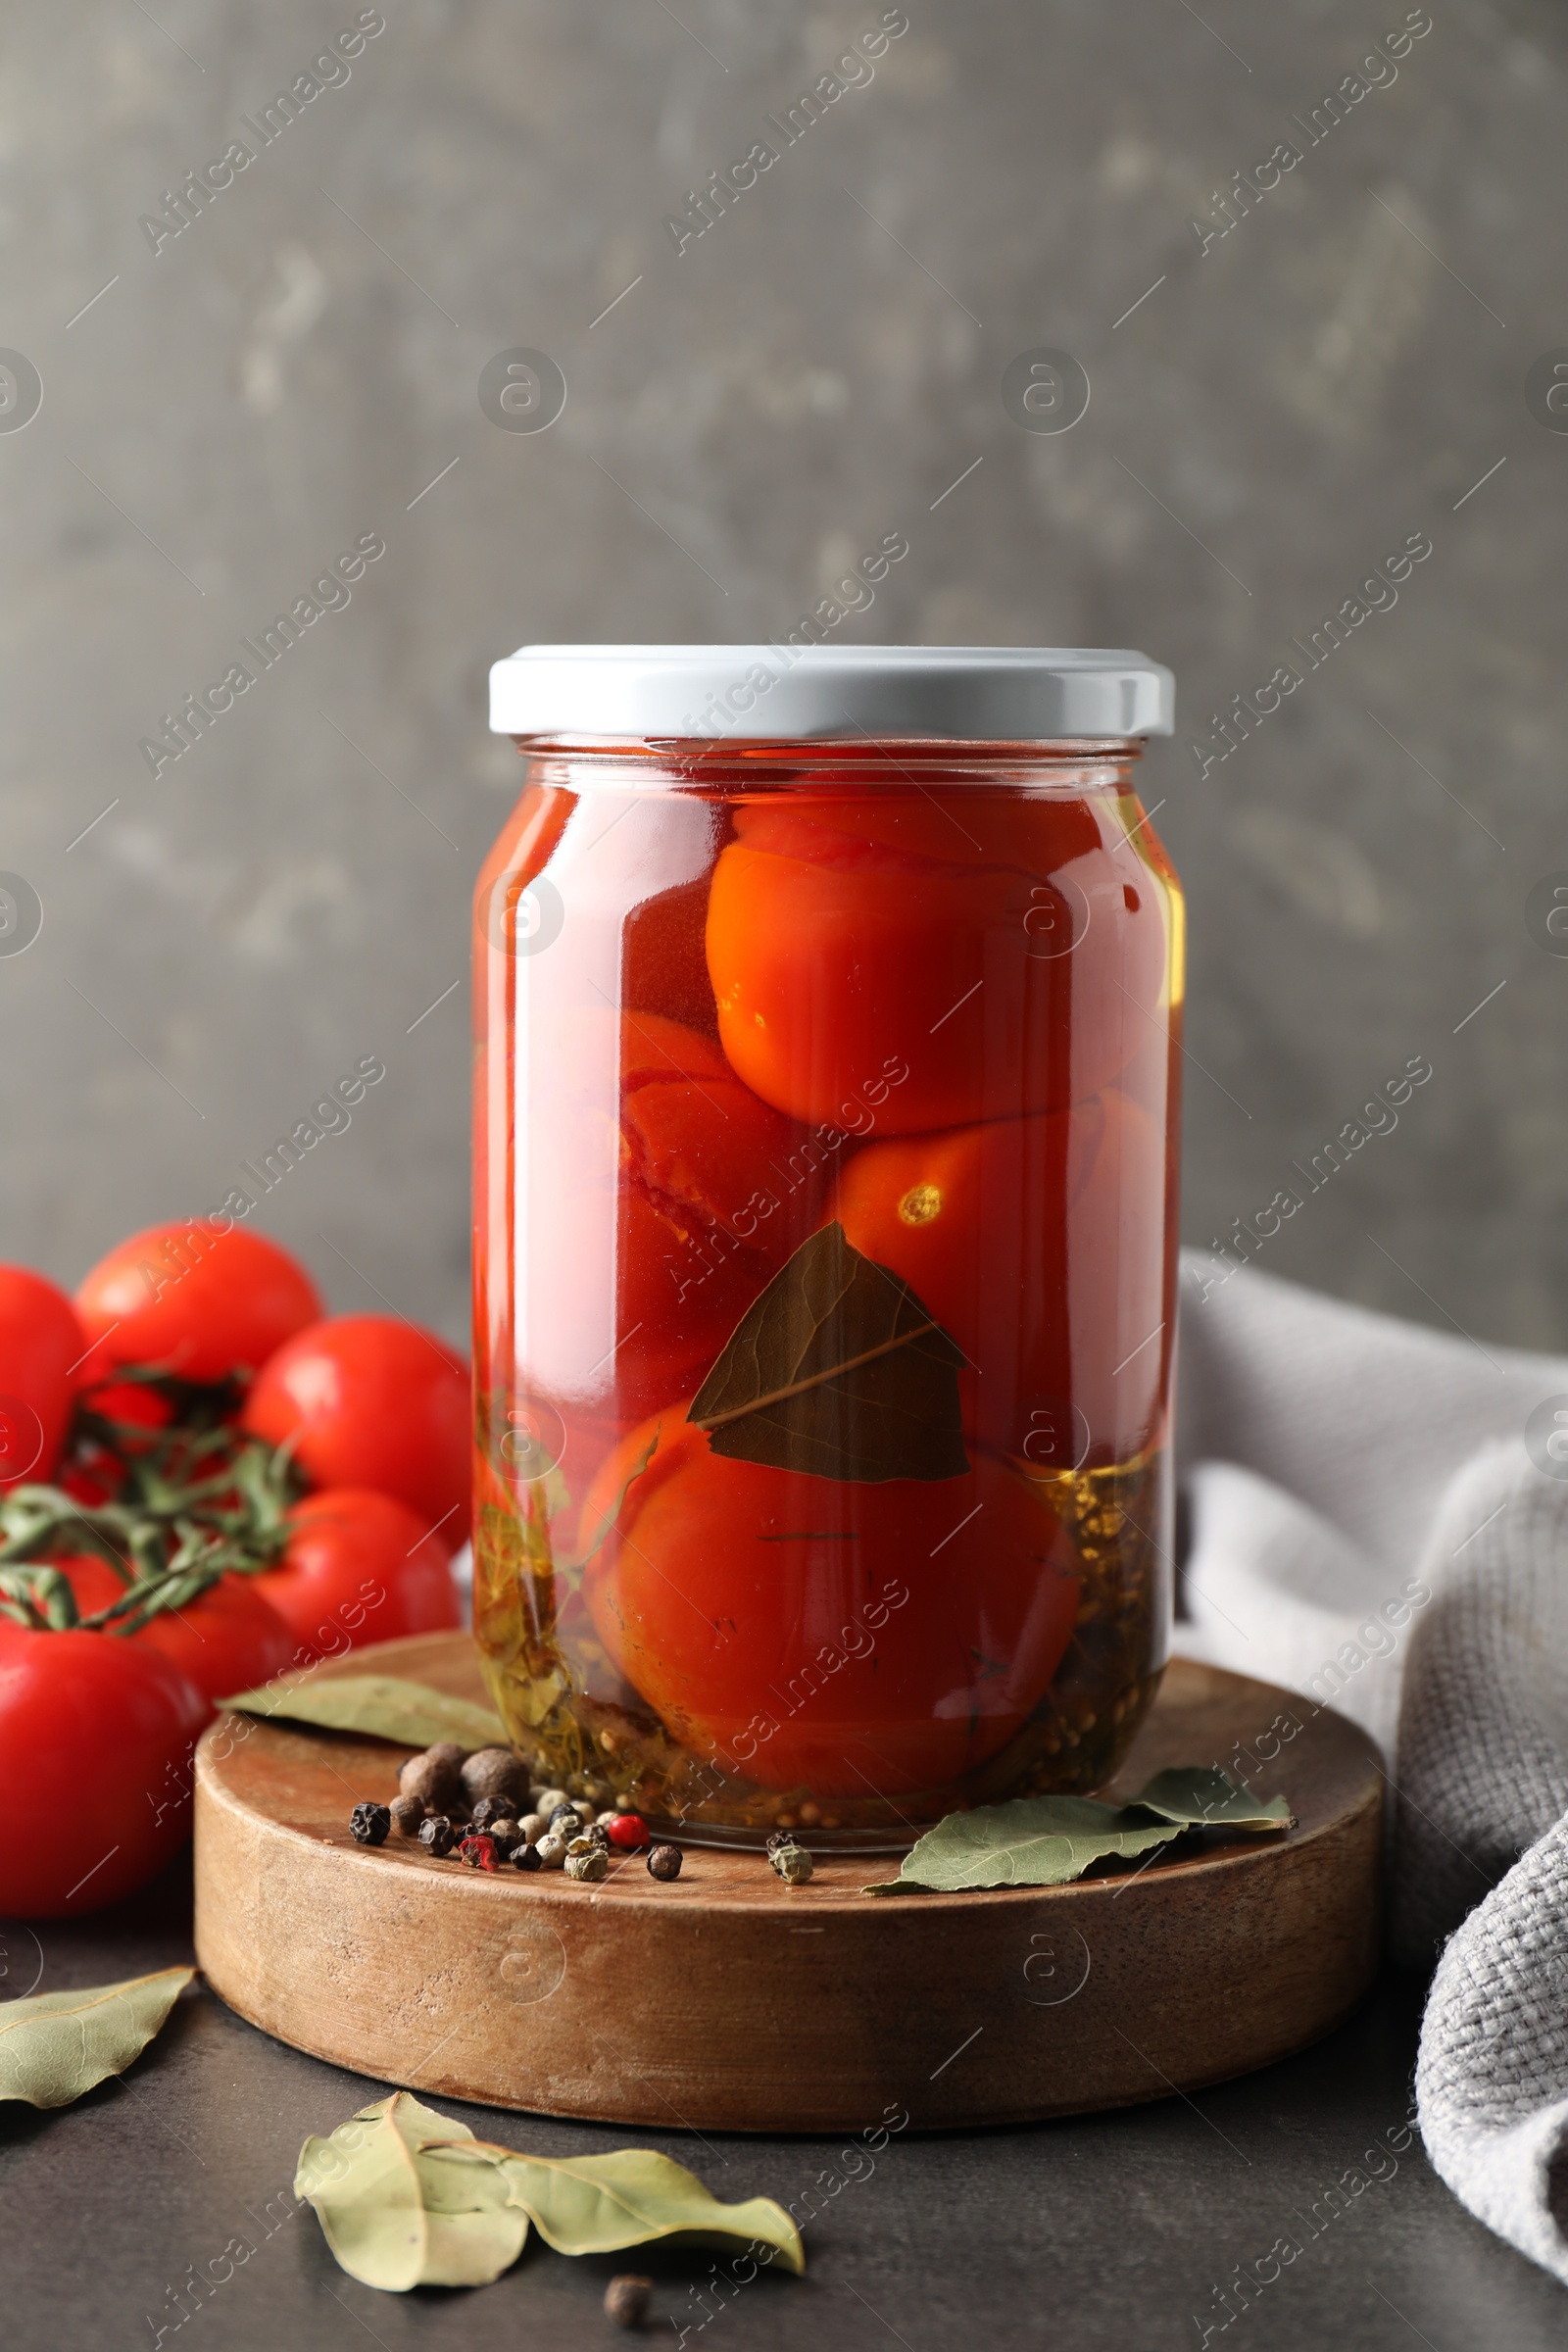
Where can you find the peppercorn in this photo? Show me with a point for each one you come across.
(586, 1860)
(480, 1852)
(526, 1857)
(545, 1801)
(533, 1826)
(494, 1771)
(626, 2299)
(436, 1835)
(792, 1864)
(370, 1823)
(491, 1809)
(565, 1819)
(663, 1861)
(628, 1831)
(506, 1836)
(551, 1850)
(406, 1814)
(780, 1838)
(433, 1776)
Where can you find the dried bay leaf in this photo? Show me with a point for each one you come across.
(837, 1370)
(1202, 1798)
(380, 1706)
(408, 2197)
(600, 2204)
(1029, 1842)
(56, 2045)
(395, 2218)
(1051, 1840)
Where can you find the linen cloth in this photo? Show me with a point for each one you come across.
(1377, 1517)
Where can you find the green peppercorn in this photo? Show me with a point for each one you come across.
(663, 1861)
(792, 1864)
(369, 1823)
(585, 1860)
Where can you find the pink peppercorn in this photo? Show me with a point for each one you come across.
(480, 1852)
(628, 1831)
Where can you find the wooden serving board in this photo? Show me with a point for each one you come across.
(725, 2001)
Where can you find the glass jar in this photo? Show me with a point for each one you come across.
(826, 1092)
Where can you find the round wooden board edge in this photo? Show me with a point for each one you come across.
(1339, 1854)
(1245, 1851)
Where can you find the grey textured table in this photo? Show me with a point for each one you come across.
(1110, 2231)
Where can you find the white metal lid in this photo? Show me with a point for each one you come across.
(969, 693)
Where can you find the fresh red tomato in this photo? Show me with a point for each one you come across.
(664, 1198)
(41, 1342)
(95, 1743)
(1040, 1245)
(369, 1400)
(808, 1631)
(227, 1639)
(359, 1567)
(976, 957)
(195, 1302)
(132, 1402)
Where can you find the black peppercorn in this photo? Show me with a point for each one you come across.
(566, 1821)
(663, 1861)
(506, 1836)
(436, 1834)
(526, 1857)
(780, 1838)
(370, 1823)
(491, 1809)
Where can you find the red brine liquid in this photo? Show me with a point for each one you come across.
(825, 1112)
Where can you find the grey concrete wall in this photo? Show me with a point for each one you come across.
(1289, 402)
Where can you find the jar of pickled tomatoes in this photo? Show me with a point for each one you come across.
(827, 1011)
